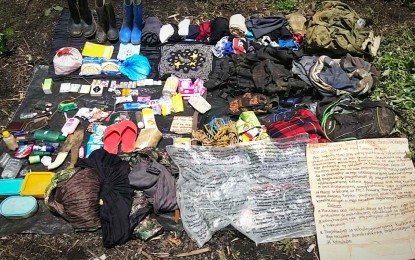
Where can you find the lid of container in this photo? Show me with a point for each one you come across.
(6, 134)
(18, 207)
(35, 184)
(10, 187)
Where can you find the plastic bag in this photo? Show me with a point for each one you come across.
(148, 137)
(91, 66)
(260, 188)
(111, 67)
(136, 67)
(67, 60)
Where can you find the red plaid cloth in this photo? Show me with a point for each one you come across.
(303, 121)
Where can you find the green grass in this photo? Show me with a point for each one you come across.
(285, 6)
(4, 37)
(396, 61)
(286, 246)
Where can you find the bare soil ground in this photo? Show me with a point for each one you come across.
(31, 44)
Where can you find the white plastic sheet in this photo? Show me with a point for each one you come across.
(260, 188)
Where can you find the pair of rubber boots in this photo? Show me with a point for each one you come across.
(107, 26)
(132, 24)
(81, 21)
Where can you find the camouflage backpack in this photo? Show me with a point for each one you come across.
(338, 29)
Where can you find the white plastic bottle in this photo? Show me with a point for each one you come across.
(70, 126)
(10, 141)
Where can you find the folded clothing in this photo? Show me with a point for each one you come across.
(116, 195)
(166, 31)
(303, 121)
(151, 32)
(175, 37)
(237, 25)
(220, 28)
(184, 27)
(261, 26)
(337, 77)
(205, 31)
(219, 48)
(66, 195)
(157, 182)
(193, 32)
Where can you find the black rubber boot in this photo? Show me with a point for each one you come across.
(89, 26)
(112, 32)
(102, 23)
(74, 24)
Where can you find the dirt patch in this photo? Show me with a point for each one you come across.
(224, 245)
(387, 17)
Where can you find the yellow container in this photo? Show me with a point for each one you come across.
(35, 183)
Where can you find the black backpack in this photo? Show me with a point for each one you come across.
(348, 118)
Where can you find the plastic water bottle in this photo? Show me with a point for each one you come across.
(10, 141)
(49, 136)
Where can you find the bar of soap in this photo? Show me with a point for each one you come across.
(200, 104)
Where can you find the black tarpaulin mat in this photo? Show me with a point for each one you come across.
(44, 222)
(61, 38)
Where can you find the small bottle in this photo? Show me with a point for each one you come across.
(139, 119)
(48, 136)
(41, 153)
(44, 148)
(70, 126)
(10, 141)
(81, 152)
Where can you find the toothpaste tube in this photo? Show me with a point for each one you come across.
(135, 106)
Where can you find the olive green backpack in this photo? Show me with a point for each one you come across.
(335, 29)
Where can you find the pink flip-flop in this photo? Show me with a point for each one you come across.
(112, 138)
(128, 132)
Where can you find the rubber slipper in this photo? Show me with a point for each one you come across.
(128, 132)
(112, 138)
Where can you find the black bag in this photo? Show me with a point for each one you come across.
(349, 118)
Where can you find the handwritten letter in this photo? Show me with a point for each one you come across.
(364, 199)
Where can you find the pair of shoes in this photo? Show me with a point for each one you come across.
(81, 21)
(107, 27)
(132, 24)
(124, 133)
